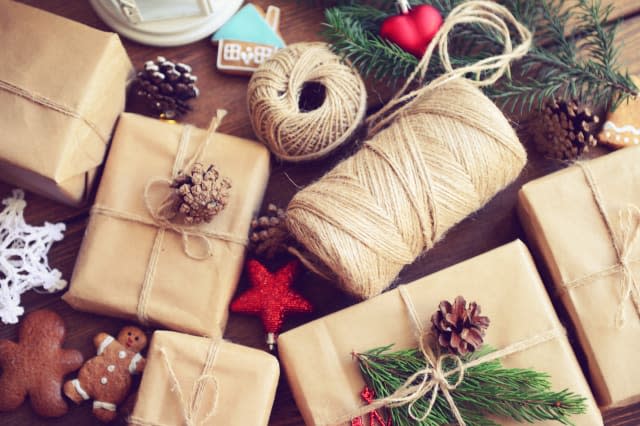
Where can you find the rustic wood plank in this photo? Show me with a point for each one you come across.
(494, 225)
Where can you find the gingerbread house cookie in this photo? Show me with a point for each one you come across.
(248, 39)
(622, 127)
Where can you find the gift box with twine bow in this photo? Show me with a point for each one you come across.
(140, 258)
(584, 221)
(525, 331)
(62, 87)
(204, 381)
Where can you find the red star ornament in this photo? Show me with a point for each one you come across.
(271, 296)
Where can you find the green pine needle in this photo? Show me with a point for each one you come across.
(574, 54)
(523, 395)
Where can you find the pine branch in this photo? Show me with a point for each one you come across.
(581, 64)
(487, 389)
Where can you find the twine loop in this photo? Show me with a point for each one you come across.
(487, 71)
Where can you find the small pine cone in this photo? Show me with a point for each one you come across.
(166, 86)
(269, 235)
(565, 130)
(202, 193)
(459, 328)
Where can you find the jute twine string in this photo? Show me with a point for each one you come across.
(162, 214)
(434, 378)
(623, 243)
(191, 407)
(438, 154)
(273, 96)
(54, 105)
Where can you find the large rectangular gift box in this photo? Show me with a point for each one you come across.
(326, 381)
(62, 87)
(583, 221)
(132, 264)
(200, 381)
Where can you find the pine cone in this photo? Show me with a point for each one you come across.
(202, 194)
(459, 328)
(269, 235)
(565, 130)
(166, 86)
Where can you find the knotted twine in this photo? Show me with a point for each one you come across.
(161, 215)
(437, 154)
(623, 243)
(274, 95)
(434, 378)
(191, 407)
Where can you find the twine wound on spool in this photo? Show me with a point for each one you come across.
(436, 155)
(305, 102)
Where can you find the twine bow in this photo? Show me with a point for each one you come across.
(623, 244)
(164, 212)
(487, 71)
(434, 377)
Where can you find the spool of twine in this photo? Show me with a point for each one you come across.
(305, 102)
(437, 154)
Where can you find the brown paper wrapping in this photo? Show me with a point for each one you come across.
(73, 66)
(326, 381)
(561, 218)
(243, 393)
(187, 295)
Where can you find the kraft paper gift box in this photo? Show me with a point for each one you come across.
(132, 267)
(582, 221)
(62, 87)
(205, 381)
(326, 381)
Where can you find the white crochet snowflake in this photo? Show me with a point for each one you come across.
(23, 257)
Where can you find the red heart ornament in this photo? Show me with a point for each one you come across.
(413, 31)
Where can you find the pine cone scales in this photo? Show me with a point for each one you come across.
(269, 235)
(202, 193)
(565, 130)
(167, 86)
(459, 328)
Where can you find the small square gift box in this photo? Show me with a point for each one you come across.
(202, 381)
(62, 87)
(148, 252)
(323, 360)
(584, 222)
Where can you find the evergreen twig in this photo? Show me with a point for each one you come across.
(524, 395)
(574, 55)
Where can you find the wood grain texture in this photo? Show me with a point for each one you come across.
(494, 225)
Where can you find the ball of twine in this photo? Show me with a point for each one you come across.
(438, 154)
(305, 101)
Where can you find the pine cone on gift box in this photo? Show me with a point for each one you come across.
(459, 328)
(269, 235)
(202, 193)
(565, 130)
(166, 86)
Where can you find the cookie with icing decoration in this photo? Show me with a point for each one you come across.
(106, 378)
(622, 127)
(248, 39)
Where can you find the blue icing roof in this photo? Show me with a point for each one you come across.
(249, 25)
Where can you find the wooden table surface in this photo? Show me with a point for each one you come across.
(491, 227)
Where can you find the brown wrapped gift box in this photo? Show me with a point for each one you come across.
(561, 217)
(62, 87)
(237, 389)
(326, 381)
(115, 259)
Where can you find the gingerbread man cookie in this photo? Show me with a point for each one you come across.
(106, 378)
(622, 128)
(36, 365)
